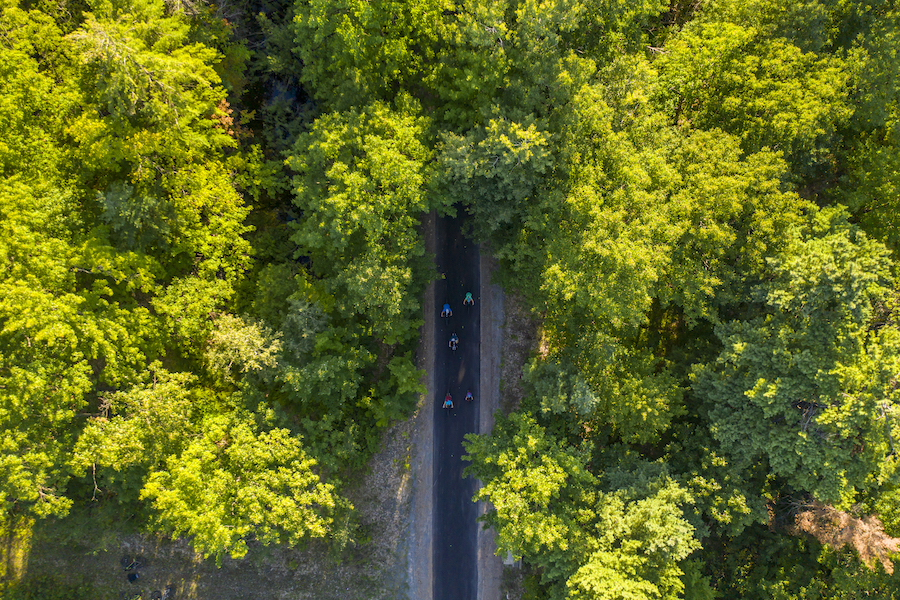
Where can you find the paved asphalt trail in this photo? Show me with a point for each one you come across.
(455, 528)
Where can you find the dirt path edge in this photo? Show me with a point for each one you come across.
(420, 549)
(490, 566)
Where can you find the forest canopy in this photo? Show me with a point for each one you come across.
(213, 269)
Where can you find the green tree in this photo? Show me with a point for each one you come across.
(232, 481)
(238, 346)
(496, 170)
(208, 470)
(766, 90)
(70, 323)
(150, 137)
(120, 223)
(869, 184)
(473, 65)
(36, 89)
(360, 184)
(641, 539)
(800, 385)
(354, 52)
(727, 211)
(623, 532)
(136, 431)
(535, 488)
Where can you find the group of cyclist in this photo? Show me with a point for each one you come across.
(454, 344)
(447, 312)
(467, 301)
(448, 399)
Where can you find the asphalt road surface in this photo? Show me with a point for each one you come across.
(455, 528)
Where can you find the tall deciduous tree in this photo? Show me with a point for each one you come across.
(592, 536)
(207, 469)
(800, 385)
(766, 90)
(232, 481)
(727, 212)
(360, 184)
(70, 323)
(354, 52)
(118, 216)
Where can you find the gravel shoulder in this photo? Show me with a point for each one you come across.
(420, 556)
(490, 566)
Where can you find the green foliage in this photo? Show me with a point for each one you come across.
(141, 426)
(887, 507)
(353, 51)
(186, 452)
(558, 387)
(845, 577)
(47, 589)
(360, 187)
(592, 536)
(231, 481)
(764, 564)
(532, 484)
(642, 537)
(726, 499)
(154, 115)
(654, 214)
(238, 346)
(274, 284)
(59, 329)
(728, 212)
(800, 385)
(31, 101)
(654, 178)
(869, 185)
(495, 171)
(696, 585)
(472, 68)
(136, 222)
(614, 388)
(766, 90)
(147, 72)
(122, 244)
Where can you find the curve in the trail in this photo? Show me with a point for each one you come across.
(455, 528)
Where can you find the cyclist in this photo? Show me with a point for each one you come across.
(469, 396)
(448, 401)
(446, 312)
(454, 341)
(469, 301)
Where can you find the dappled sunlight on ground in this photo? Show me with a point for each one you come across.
(15, 537)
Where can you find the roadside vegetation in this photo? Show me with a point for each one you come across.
(212, 275)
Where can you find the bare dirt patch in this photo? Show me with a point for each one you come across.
(492, 303)
(519, 342)
(419, 527)
(509, 338)
(837, 529)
